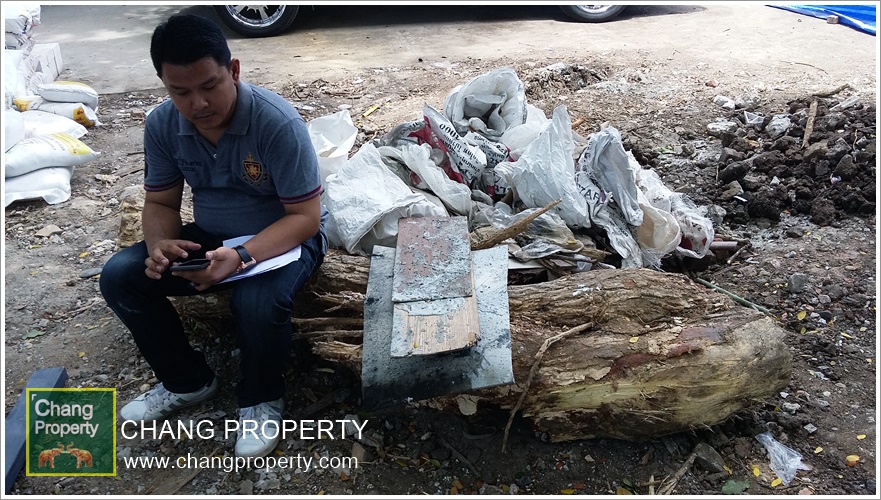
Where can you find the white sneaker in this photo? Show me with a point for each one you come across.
(158, 402)
(259, 429)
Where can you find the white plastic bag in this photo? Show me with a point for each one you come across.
(56, 150)
(52, 184)
(332, 137)
(696, 229)
(425, 174)
(520, 136)
(606, 162)
(365, 201)
(40, 123)
(489, 104)
(785, 462)
(64, 91)
(545, 172)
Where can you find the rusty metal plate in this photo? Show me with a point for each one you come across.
(433, 259)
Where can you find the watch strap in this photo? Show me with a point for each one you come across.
(247, 259)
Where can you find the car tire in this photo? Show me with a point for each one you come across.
(592, 13)
(257, 20)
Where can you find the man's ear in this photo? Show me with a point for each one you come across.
(234, 69)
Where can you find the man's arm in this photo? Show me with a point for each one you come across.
(301, 222)
(161, 223)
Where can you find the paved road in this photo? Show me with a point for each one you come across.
(108, 45)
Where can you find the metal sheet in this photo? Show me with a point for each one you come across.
(433, 259)
(388, 381)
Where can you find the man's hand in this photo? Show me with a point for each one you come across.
(164, 253)
(224, 262)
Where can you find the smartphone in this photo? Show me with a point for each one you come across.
(191, 265)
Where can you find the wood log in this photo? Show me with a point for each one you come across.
(665, 354)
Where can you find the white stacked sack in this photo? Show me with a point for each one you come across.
(43, 120)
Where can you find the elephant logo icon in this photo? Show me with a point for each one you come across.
(48, 456)
(82, 456)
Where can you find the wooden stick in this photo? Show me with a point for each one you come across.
(809, 126)
(577, 122)
(511, 231)
(668, 488)
(538, 356)
(830, 93)
(460, 457)
(739, 250)
(737, 298)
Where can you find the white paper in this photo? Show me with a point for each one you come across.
(261, 267)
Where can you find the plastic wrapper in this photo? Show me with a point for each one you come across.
(332, 137)
(785, 462)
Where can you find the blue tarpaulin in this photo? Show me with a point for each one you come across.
(861, 17)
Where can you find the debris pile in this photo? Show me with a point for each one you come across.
(491, 156)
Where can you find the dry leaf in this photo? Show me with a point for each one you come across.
(852, 460)
(756, 471)
(846, 335)
(567, 491)
(623, 491)
(81, 354)
(634, 340)
(818, 449)
(803, 330)
(861, 436)
(454, 491)
(776, 482)
(801, 315)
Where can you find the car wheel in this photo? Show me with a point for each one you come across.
(592, 13)
(257, 20)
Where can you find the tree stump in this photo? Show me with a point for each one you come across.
(664, 355)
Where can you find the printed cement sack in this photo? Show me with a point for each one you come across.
(13, 128)
(63, 91)
(39, 123)
(76, 111)
(51, 184)
(56, 150)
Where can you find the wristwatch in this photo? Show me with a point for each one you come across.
(247, 260)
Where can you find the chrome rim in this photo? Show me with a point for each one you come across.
(595, 9)
(255, 16)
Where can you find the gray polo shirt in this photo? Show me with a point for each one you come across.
(263, 161)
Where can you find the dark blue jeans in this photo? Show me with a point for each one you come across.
(261, 305)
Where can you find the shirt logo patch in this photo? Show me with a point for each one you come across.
(253, 172)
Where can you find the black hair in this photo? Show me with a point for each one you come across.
(184, 39)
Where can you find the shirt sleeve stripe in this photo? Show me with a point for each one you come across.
(299, 199)
(162, 187)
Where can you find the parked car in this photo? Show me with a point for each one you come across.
(270, 20)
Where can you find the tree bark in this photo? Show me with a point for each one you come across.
(664, 355)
